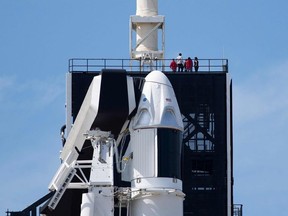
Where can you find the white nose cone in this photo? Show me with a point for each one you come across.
(158, 105)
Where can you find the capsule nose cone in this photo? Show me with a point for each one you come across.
(158, 105)
(158, 77)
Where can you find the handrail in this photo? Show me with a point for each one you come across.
(237, 210)
(140, 65)
(32, 209)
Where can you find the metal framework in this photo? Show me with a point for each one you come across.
(159, 22)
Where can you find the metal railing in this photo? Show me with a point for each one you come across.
(237, 210)
(33, 209)
(141, 65)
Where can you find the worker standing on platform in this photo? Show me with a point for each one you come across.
(173, 65)
(188, 65)
(179, 61)
(196, 64)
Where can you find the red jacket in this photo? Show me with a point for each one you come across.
(173, 65)
(189, 64)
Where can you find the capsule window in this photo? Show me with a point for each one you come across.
(144, 118)
(169, 118)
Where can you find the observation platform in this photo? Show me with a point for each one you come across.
(141, 65)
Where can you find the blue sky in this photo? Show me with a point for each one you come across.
(38, 37)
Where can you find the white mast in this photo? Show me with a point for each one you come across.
(146, 24)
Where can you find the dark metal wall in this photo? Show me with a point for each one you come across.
(203, 103)
(202, 99)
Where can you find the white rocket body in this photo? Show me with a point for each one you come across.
(153, 188)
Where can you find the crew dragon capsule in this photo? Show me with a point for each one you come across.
(155, 142)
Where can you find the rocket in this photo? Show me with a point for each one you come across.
(156, 146)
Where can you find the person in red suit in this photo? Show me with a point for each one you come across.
(188, 65)
(173, 65)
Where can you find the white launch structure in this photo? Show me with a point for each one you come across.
(146, 24)
(152, 193)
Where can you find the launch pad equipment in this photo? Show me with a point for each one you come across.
(150, 192)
